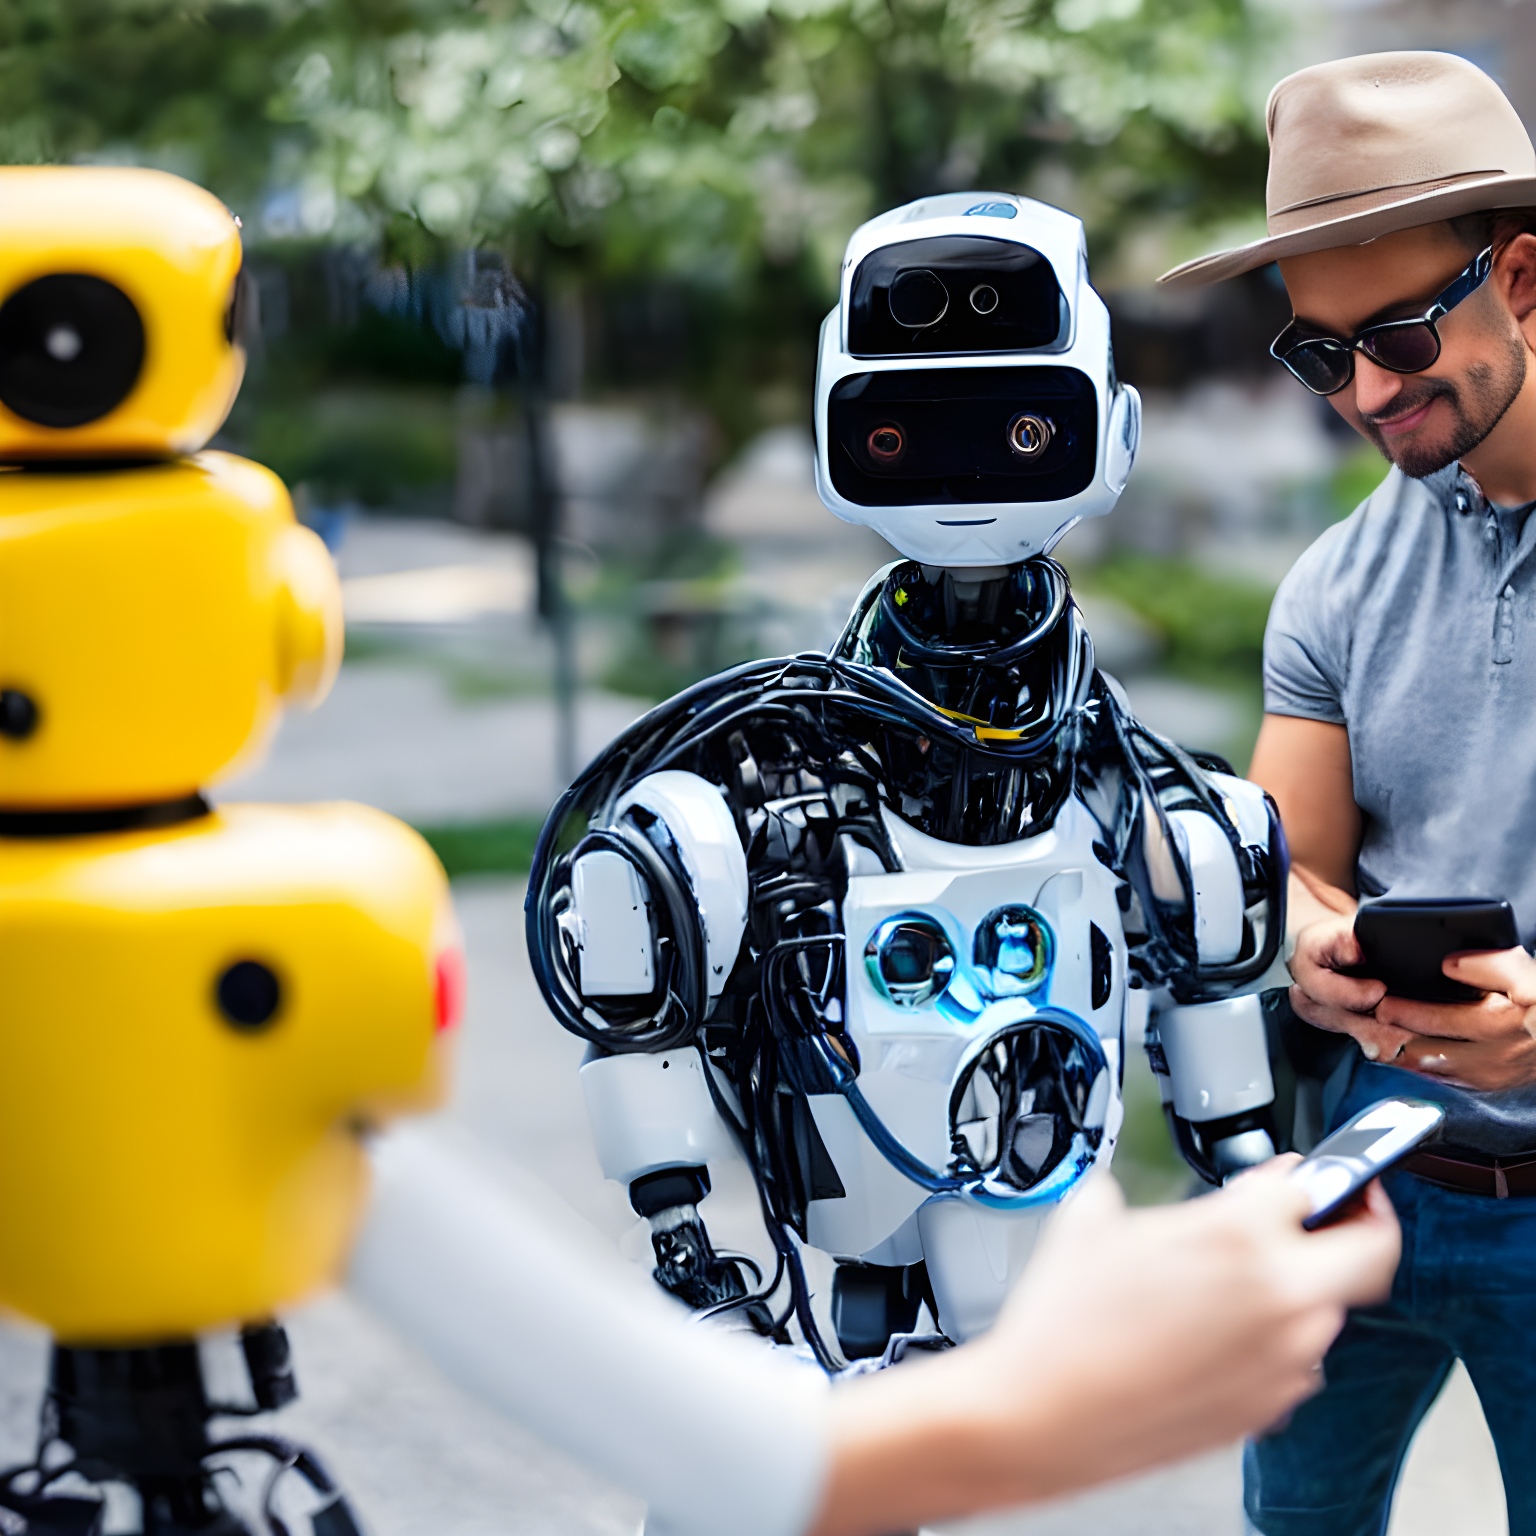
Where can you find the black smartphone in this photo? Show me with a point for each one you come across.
(1341, 1165)
(1405, 942)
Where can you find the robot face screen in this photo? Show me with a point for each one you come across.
(931, 436)
(71, 349)
(954, 293)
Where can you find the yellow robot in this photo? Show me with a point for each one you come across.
(204, 1010)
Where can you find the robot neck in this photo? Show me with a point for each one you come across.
(970, 599)
(973, 614)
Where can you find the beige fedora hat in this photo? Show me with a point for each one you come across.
(1385, 141)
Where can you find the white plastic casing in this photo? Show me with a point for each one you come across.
(1001, 533)
(649, 1112)
(910, 1057)
(613, 927)
(1245, 804)
(1218, 1060)
(975, 1257)
(694, 812)
(1218, 892)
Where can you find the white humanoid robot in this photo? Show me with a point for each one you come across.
(882, 916)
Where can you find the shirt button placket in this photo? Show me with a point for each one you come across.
(1504, 628)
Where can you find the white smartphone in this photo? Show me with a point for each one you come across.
(1341, 1165)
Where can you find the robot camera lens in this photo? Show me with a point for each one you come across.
(983, 298)
(1013, 951)
(909, 959)
(918, 299)
(248, 995)
(1030, 435)
(71, 349)
(886, 444)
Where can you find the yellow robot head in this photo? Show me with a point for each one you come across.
(121, 313)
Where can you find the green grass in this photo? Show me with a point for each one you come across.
(501, 847)
(1212, 626)
(1148, 1168)
(1362, 470)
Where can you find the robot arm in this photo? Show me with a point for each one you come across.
(630, 929)
(1212, 1057)
(613, 926)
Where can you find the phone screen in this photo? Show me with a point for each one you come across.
(1344, 1163)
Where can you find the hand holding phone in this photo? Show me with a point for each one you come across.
(1405, 942)
(1363, 1148)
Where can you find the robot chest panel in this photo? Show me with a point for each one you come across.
(961, 936)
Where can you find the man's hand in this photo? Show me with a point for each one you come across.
(1488, 1044)
(1134, 1338)
(1347, 1005)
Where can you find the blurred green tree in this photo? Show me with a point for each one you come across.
(703, 138)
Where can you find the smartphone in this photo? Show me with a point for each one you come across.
(1341, 1165)
(1406, 941)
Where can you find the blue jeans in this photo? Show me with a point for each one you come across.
(1466, 1289)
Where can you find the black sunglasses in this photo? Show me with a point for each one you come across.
(1325, 364)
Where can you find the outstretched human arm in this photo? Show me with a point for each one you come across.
(1135, 1338)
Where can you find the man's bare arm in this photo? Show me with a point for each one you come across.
(1305, 765)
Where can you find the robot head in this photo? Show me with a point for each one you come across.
(121, 314)
(967, 407)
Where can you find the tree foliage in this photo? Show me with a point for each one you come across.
(702, 138)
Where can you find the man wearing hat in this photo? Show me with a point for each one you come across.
(1399, 738)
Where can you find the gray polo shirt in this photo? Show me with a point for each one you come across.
(1413, 623)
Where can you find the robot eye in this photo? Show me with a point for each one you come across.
(71, 348)
(248, 995)
(1030, 435)
(886, 444)
(1013, 951)
(918, 299)
(909, 959)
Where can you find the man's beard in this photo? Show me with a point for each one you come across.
(1477, 405)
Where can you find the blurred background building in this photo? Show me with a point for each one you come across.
(539, 286)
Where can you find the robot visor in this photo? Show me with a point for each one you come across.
(961, 436)
(954, 293)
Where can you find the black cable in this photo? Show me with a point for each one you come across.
(683, 987)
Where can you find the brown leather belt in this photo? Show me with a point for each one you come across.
(1497, 1179)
